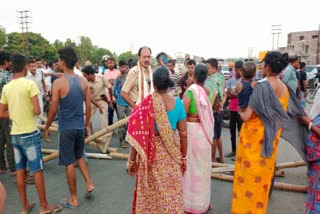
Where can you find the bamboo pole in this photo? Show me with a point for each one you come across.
(53, 129)
(50, 157)
(277, 185)
(99, 156)
(107, 130)
(215, 164)
(44, 119)
(291, 165)
(119, 155)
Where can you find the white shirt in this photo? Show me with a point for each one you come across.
(37, 78)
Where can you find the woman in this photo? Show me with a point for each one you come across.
(197, 102)
(259, 136)
(158, 155)
(313, 156)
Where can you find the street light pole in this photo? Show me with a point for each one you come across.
(276, 29)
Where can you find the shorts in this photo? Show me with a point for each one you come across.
(27, 151)
(218, 117)
(71, 146)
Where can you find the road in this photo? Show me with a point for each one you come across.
(115, 187)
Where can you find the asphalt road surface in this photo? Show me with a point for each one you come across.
(115, 187)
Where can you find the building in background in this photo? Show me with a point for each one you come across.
(305, 44)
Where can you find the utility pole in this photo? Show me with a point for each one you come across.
(276, 30)
(24, 21)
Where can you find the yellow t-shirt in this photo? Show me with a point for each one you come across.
(17, 94)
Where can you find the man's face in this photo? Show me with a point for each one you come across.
(211, 69)
(123, 68)
(32, 67)
(110, 64)
(89, 77)
(303, 68)
(190, 69)
(7, 65)
(39, 64)
(170, 66)
(296, 64)
(145, 57)
(238, 72)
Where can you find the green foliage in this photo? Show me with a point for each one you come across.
(3, 37)
(127, 55)
(99, 53)
(31, 44)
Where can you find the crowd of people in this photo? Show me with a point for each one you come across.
(174, 127)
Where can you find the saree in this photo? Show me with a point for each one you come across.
(254, 171)
(312, 205)
(197, 178)
(158, 186)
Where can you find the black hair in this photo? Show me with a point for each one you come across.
(88, 70)
(213, 62)
(238, 64)
(276, 61)
(122, 62)
(19, 61)
(132, 62)
(191, 62)
(249, 70)
(201, 73)
(140, 49)
(161, 78)
(38, 59)
(69, 56)
(171, 61)
(50, 64)
(30, 61)
(112, 59)
(4, 56)
(160, 54)
(293, 58)
(302, 65)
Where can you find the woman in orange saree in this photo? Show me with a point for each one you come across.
(263, 120)
(157, 133)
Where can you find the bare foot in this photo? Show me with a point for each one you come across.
(28, 209)
(51, 209)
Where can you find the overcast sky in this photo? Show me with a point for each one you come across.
(208, 28)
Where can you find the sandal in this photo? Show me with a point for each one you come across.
(31, 206)
(66, 204)
(56, 209)
(90, 193)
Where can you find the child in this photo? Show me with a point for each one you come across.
(124, 109)
(245, 86)
(20, 97)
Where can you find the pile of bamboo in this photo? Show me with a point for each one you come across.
(219, 168)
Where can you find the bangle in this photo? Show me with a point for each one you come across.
(185, 158)
(132, 161)
(310, 125)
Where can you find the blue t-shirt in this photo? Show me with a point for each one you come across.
(118, 83)
(176, 115)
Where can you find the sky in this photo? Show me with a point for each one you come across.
(206, 28)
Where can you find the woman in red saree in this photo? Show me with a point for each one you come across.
(158, 136)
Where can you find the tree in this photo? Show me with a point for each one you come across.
(127, 55)
(86, 49)
(3, 37)
(57, 44)
(31, 44)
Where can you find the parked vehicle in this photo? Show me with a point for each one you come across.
(225, 71)
(313, 87)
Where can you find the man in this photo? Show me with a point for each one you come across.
(235, 119)
(175, 77)
(162, 59)
(98, 86)
(124, 109)
(139, 82)
(303, 84)
(111, 74)
(187, 78)
(5, 140)
(68, 93)
(289, 76)
(19, 101)
(37, 77)
(216, 83)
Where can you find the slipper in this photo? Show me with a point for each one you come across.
(90, 193)
(65, 203)
(57, 209)
(219, 160)
(31, 206)
(29, 180)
